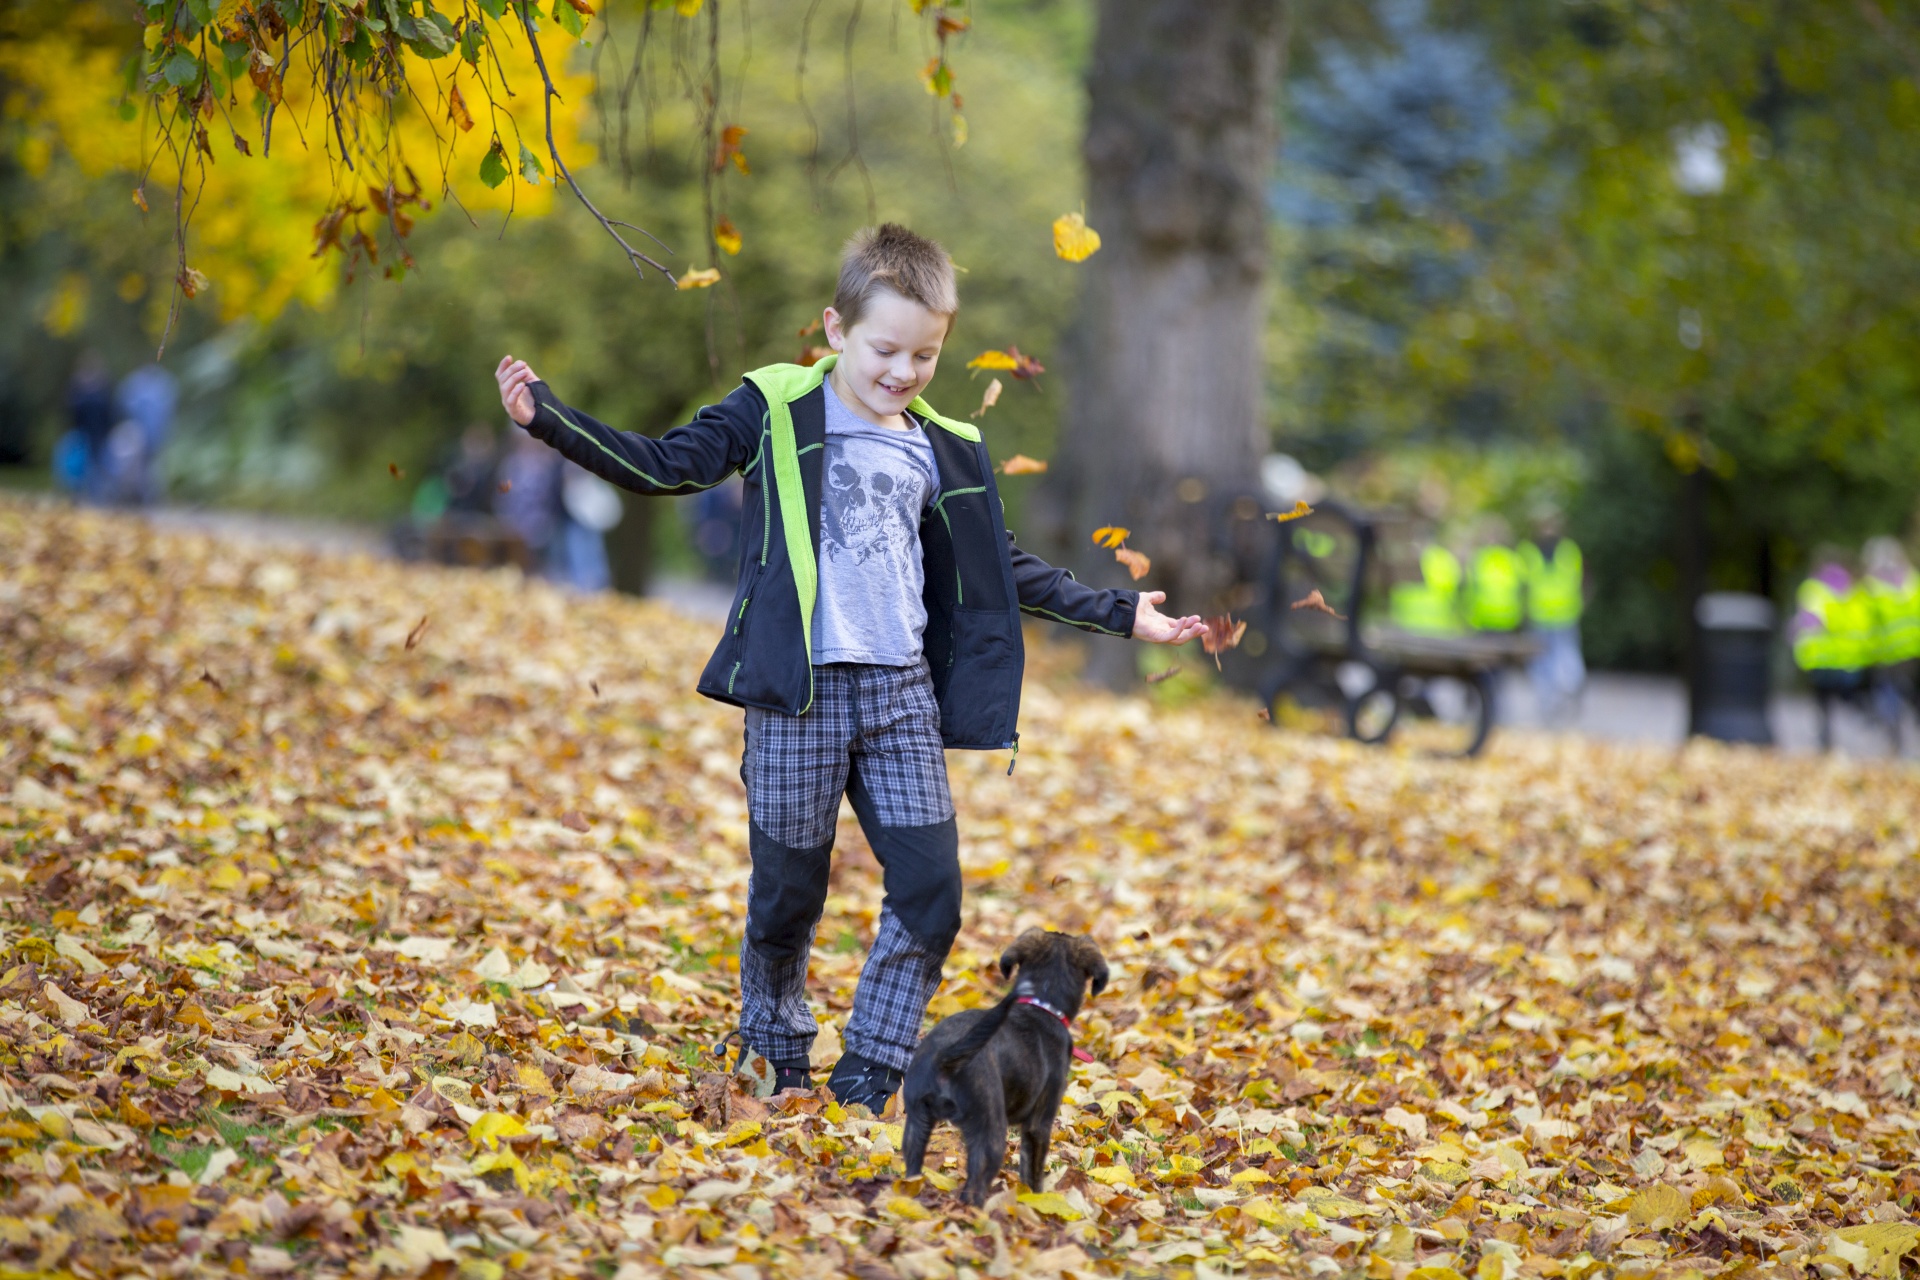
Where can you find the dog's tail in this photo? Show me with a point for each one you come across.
(962, 1051)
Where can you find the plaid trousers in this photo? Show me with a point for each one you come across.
(872, 734)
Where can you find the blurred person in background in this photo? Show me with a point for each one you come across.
(146, 398)
(78, 455)
(1832, 637)
(1556, 597)
(1493, 582)
(470, 478)
(527, 496)
(1430, 606)
(716, 529)
(1892, 589)
(591, 508)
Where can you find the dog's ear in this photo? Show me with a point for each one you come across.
(1025, 949)
(1086, 954)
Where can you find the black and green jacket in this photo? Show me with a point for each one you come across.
(772, 429)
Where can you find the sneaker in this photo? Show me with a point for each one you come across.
(863, 1081)
(791, 1073)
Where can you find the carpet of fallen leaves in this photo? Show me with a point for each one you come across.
(336, 944)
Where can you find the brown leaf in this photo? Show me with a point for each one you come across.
(1314, 600)
(574, 820)
(1164, 673)
(140, 198)
(1222, 634)
(992, 397)
(393, 469)
(413, 636)
(1137, 564)
(1021, 465)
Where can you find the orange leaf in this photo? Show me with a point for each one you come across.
(457, 109)
(812, 328)
(729, 149)
(1137, 564)
(1021, 465)
(140, 198)
(1315, 600)
(1024, 366)
(1110, 535)
(726, 235)
(1299, 509)
(811, 356)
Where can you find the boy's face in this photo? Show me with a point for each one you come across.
(889, 357)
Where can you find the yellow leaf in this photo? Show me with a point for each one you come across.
(1885, 1244)
(1110, 536)
(1114, 1175)
(660, 1199)
(533, 1080)
(704, 278)
(744, 1131)
(493, 1126)
(1073, 239)
(1299, 509)
(1051, 1203)
(993, 360)
(1434, 1273)
(1251, 1177)
(1658, 1207)
(727, 236)
(910, 1209)
(1331, 1204)
(503, 1159)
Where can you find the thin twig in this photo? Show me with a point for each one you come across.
(639, 260)
(853, 155)
(806, 107)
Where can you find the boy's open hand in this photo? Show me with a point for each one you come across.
(514, 378)
(1151, 625)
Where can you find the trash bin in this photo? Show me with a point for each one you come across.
(1733, 635)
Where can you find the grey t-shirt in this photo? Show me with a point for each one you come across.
(874, 484)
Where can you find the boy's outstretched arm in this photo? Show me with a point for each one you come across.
(718, 442)
(1049, 592)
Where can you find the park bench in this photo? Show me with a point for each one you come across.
(1377, 677)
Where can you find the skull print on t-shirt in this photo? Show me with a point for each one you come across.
(875, 484)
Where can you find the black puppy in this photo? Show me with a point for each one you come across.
(986, 1069)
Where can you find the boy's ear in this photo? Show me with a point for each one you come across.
(1086, 955)
(1023, 950)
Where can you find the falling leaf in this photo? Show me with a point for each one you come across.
(1012, 360)
(1299, 509)
(812, 327)
(393, 469)
(1221, 634)
(1073, 239)
(728, 149)
(505, 486)
(992, 360)
(595, 686)
(413, 636)
(1263, 714)
(140, 198)
(810, 356)
(1137, 564)
(1164, 673)
(457, 109)
(1315, 601)
(1021, 465)
(1110, 536)
(727, 236)
(700, 279)
(990, 398)
(193, 283)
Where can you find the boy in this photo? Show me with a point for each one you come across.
(876, 622)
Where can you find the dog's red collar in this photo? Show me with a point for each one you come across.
(1038, 1003)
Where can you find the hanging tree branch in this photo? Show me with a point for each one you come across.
(639, 260)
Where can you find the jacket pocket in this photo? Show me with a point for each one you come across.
(983, 672)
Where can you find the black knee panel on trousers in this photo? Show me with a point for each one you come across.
(921, 869)
(787, 894)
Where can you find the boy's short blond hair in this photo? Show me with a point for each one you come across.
(893, 258)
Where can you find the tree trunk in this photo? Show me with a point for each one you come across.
(1165, 425)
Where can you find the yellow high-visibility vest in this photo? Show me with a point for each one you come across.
(1555, 595)
(1843, 638)
(1430, 605)
(1493, 590)
(1896, 619)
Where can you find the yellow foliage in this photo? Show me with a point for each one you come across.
(253, 216)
